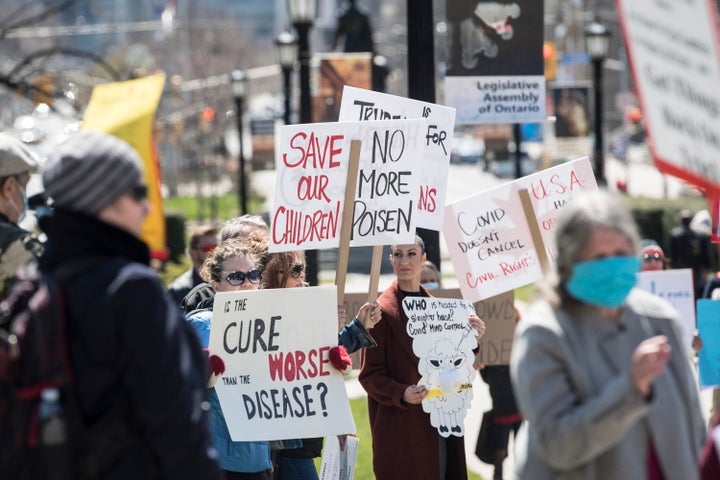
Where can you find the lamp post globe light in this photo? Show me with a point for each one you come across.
(597, 45)
(238, 82)
(286, 52)
(302, 15)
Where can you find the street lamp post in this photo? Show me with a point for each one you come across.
(302, 16)
(286, 50)
(597, 45)
(238, 81)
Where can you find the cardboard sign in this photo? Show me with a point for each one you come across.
(674, 54)
(443, 341)
(675, 286)
(278, 381)
(366, 105)
(490, 238)
(498, 313)
(708, 317)
(312, 162)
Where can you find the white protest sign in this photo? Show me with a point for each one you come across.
(674, 54)
(551, 189)
(488, 237)
(443, 341)
(490, 246)
(312, 162)
(675, 286)
(366, 105)
(278, 381)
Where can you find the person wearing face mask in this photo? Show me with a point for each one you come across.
(430, 276)
(17, 246)
(599, 368)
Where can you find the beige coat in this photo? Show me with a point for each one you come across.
(584, 418)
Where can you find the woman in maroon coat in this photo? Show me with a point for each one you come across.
(405, 444)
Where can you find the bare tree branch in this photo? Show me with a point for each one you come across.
(17, 69)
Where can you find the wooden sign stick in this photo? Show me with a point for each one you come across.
(532, 222)
(347, 218)
(375, 273)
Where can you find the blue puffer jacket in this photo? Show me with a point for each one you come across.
(233, 456)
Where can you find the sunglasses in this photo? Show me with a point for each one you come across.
(297, 270)
(138, 193)
(206, 248)
(237, 278)
(650, 257)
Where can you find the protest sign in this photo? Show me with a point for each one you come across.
(675, 286)
(443, 341)
(339, 464)
(495, 67)
(708, 319)
(551, 189)
(674, 54)
(126, 110)
(278, 381)
(311, 166)
(488, 235)
(366, 105)
(498, 313)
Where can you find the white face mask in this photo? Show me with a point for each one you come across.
(431, 285)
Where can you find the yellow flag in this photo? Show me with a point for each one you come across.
(126, 110)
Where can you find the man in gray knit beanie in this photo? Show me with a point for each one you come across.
(90, 171)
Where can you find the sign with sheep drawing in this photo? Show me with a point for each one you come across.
(443, 341)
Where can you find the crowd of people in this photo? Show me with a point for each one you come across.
(599, 384)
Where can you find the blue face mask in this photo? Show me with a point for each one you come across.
(605, 282)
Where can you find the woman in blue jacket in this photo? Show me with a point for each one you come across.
(232, 266)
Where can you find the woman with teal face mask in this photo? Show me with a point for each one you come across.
(598, 367)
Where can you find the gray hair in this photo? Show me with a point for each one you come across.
(242, 226)
(579, 218)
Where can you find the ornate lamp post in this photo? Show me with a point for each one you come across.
(238, 82)
(597, 45)
(302, 15)
(286, 52)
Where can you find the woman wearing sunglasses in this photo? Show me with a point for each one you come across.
(287, 270)
(231, 266)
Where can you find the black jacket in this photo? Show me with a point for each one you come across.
(131, 351)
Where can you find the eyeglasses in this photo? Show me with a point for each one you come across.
(237, 278)
(649, 257)
(138, 193)
(297, 270)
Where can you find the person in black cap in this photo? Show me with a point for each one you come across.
(17, 246)
(139, 369)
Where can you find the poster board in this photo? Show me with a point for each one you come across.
(498, 313)
(311, 164)
(443, 341)
(278, 381)
(675, 286)
(495, 66)
(367, 105)
(708, 317)
(674, 54)
(127, 110)
(488, 235)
